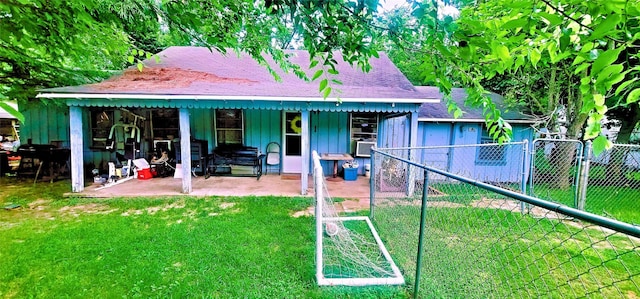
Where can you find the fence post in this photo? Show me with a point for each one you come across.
(583, 179)
(532, 167)
(423, 220)
(523, 180)
(372, 182)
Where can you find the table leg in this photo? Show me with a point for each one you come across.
(335, 168)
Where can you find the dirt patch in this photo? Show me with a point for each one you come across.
(39, 204)
(153, 210)
(152, 78)
(514, 206)
(308, 212)
(226, 205)
(92, 208)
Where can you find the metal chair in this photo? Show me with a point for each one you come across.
(273, 156)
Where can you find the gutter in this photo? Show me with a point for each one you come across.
(478, 120)
(232, 98)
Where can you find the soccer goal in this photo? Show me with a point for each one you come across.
(349, 250)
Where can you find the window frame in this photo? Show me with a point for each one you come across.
(218, 129)
(356, 134)
(94, 128)
(484, 158)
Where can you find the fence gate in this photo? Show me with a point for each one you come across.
(555, 170)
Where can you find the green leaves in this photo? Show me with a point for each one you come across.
(317, 75)
(601, 144)
(604, 59)
(9, 108)
(609, 23)
(633, 96)
(534, 56)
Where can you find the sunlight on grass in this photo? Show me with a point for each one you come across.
(218, 247)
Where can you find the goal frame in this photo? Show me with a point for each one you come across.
(395, 279)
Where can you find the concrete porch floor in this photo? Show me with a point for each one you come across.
(270, 184)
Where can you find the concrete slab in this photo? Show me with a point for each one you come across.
(271, 184)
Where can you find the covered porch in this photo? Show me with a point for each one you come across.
(286, 185)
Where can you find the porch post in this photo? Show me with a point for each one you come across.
(185, 149)
(306, 151)
(413, 142)
(77, 147)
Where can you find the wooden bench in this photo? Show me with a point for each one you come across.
(234, 160)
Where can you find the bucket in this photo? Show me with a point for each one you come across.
(367, 170)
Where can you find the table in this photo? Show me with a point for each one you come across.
(335, 158)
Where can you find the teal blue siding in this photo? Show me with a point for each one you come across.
(201, 121)
(436, 134)
(262, 127)
(330, 134)
(45, 124)
(462, 160)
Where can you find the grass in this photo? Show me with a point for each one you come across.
(492, 253)
(213, 247)
(620, 203)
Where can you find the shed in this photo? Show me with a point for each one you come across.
(456, 137)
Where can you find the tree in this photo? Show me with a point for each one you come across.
(585, 53)
(55, 42)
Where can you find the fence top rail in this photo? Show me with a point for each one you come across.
(626, 145)
(450, 146)
(615, 225)
(555, 139)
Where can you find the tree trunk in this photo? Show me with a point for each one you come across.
(562, 156)
(564, 153)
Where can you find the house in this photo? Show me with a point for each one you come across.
(448, 136)
(196, 100)
(490, 163)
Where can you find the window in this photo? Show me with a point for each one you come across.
(490, 154)
(101, 122)
(166, 124)
(229, 128)
(364, 132)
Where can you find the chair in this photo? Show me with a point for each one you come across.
(273, 156)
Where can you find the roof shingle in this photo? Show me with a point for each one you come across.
(199, 71)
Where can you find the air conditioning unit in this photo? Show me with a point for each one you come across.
(363, 148)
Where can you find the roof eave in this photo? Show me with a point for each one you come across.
(475, 120)
(219, 97)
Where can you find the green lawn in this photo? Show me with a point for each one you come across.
(620, 203)
(492, 253)
(251, 247)
(212, 247)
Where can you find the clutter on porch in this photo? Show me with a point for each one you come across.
(40, 160)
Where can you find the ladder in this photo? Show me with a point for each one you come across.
(15, 129)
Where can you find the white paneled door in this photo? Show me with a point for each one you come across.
(292, 143)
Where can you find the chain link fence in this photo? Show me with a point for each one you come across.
(460, 235)
(555, 170)
(612, 187)
(567, 172)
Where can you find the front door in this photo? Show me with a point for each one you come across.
(292, 143)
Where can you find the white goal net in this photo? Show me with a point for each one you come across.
(348, 249)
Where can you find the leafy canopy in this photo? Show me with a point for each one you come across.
(597, 41)
(48, 43)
